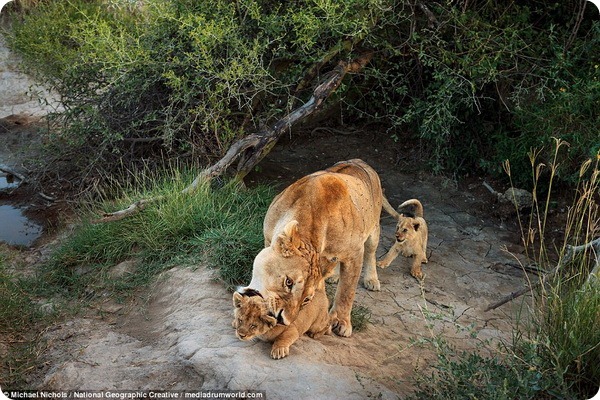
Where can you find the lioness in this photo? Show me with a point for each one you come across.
(334, 214)
(411, 238)
(252, 319)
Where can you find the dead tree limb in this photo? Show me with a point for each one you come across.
(251, 149)
(571, 252)
(269, 137)
(433, 22)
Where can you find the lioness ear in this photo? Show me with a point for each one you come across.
(288, 242)
(237, 299)
(416, 225)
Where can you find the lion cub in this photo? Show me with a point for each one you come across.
(252, 319)
(411, 238)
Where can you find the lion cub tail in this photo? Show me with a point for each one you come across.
(415, 205)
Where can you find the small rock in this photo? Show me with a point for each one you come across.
(519, 197)
(47, 308)
(126, 267)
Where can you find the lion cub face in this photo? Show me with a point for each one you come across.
(251, 316)
(407, 228)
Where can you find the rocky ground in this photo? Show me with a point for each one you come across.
(177, 335)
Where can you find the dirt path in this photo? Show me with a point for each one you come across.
(181, 337)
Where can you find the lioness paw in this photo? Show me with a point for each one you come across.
(280, 352)
(372, 284)
(341, 328)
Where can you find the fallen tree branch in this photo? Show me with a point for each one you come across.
(571, 252)
(251, 149)
(132, 209)
(220, 166)
(269, 137)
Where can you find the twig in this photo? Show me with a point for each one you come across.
(46, 197)
(433, 22)
(488, 187)
(570, 253)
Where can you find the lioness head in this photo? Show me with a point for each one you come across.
(407, 228)
(285, 274)
(251, 316)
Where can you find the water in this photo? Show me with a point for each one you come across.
(15, 228)
(8, 182)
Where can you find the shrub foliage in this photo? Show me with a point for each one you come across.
(475, 81)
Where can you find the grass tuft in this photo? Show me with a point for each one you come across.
(219, 226)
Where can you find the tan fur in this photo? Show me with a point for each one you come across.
(411, 239)
(252, 319)
(332, 214)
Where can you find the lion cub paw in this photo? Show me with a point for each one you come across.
(417, 274)
(372, 284)
(279, 352)
(382, 264)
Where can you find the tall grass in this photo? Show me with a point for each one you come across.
(555, 351)
(566, 316)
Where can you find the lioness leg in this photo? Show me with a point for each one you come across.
(344, 297)
(371, 280)
(281, 345)
(390, 255)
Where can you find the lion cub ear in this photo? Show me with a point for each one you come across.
(288, 242)
(269, 320)
(237, 299)
(416, 225)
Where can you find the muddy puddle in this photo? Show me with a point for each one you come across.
(8, 182)
(15, 228)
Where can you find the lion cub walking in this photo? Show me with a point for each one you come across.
(252, 319)
(411, 237)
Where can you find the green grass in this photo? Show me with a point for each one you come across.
(21, 321)
(218, 226)
(470, 375)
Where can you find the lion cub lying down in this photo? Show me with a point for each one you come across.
(252, 319)
(411, 238)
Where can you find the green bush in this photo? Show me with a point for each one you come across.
(476, 82)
